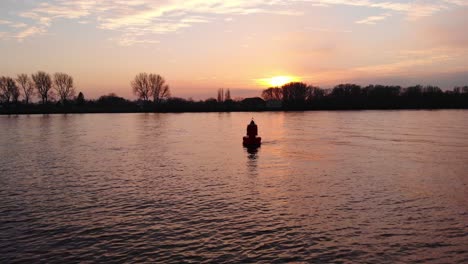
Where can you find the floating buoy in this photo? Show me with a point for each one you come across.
(251, 140)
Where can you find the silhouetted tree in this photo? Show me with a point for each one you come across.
(210, 104)
(457, 90)
(43, 84)
(159, 88)
(9, 91)
(381, 91)
(63, 84)
(220, 95)
(272, 93)
(141, 86)
(295, 93)
(150, 85)
(413, 91)
(112, 100)
(316, 92)
(431, 90)
(80, 99)
(13, 90)
(346, 90)
(465, 89)
(227, 97)
(4, 94)
(27, 85)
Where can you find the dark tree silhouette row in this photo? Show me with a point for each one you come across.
(298, 95)
(55, 94)
(60, 86)
(40, 84)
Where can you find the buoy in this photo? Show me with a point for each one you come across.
(251, 140)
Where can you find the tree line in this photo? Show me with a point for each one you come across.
(41, 84)
(298, 95)
(301, 96)
(56, 94)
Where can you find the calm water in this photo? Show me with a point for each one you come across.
(365, 186)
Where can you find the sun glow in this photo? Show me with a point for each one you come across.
(278, 81)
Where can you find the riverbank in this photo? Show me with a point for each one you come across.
(114, 104)
(117, 111)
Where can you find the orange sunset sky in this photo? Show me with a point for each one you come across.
(200, 46)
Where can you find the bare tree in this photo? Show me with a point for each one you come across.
(295, 92)
(13, 90)
(159, 88)
(63, 84)
(9, 91)
(272, 93)
(316, 92)
(220, 95)
(4, 94)
(227, 97)
(141, 86)
(43, 84)
(27, 85)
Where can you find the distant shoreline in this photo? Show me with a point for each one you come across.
(9, 113)
(294, 96)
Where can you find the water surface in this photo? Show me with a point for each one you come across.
(357, 186)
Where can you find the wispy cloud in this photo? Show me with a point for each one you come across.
(329, 30)
(140, 21)
(134, 17)
(457, 2)
(372, 20)
(406, 62)
(5, 22)
(30, 31)
(413, 9)
(19, 25)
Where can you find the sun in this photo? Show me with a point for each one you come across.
(278, 81)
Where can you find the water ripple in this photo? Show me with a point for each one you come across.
(326, 187)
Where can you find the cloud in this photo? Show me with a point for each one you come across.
(30, 31)
(140, 21)
(372, 20)
(402, 66)
(19, 25)
(413, 9)
(446, 30)
(457, 2)
(410, 60)
(406, 63)
(132, 40)
(329, 30)
(134, 17)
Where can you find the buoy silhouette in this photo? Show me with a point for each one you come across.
(251, 140)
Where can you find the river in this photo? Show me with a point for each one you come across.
(343, 186)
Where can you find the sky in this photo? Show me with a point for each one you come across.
(200, 46)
